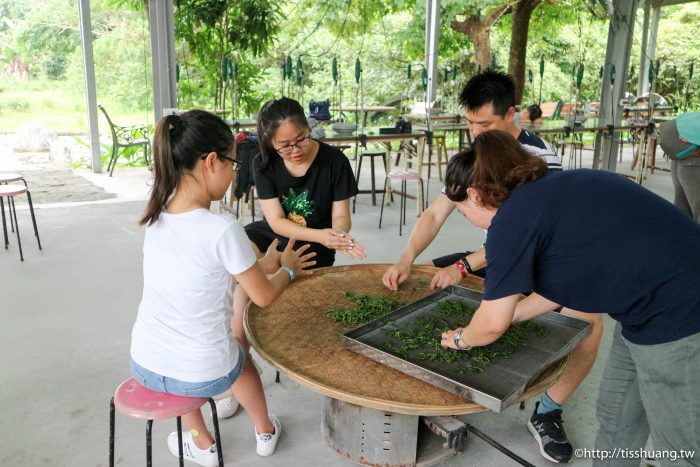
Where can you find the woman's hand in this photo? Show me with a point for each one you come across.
(395, 275)
(337, 239)
(354, 251)
(271, 261)
(296, 260)
(448, 339)
(446, 277)
(341, 241)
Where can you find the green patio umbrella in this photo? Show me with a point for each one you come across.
(687, 84)
(233, 76)
(358, 85)
(288, 73)
(299, 75)
(224, 78)
(336, 78)
(541, 76)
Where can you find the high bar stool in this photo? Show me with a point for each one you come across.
(9, 191)
(403, 176)
(576, 149)
(6, 178)
(136, 401)
(371, 154)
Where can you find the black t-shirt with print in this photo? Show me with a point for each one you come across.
(308, 200)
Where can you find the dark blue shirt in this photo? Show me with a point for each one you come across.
(596, 242)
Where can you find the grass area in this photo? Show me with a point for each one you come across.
(59, 106)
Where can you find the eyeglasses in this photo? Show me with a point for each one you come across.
(289, 148)
(236, 164)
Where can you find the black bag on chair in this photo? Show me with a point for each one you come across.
(246, 152)
(320, 110)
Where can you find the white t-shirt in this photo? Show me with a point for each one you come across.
(183, 328)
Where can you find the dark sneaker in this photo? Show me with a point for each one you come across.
(548, 431)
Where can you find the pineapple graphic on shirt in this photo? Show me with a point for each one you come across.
(298, 206)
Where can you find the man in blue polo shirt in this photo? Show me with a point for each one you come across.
(489, 104)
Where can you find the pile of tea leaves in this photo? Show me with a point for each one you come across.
(420, 340)
(369, 308)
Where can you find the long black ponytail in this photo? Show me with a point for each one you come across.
(178, 143)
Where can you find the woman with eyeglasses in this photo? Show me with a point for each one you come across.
(595, 242)
(181, 342)
(304, 187)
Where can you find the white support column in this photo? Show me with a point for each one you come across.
(90, 92)
(643, 80)
(648, 49)
(161, 21)
(432, 38)
(618, 54)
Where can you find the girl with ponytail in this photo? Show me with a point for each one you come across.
(182, 342)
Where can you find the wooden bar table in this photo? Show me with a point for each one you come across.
(371, 412)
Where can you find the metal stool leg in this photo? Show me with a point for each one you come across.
(405, 201)
(374, 189)
(149, 458)
(381, 210)
(4, 223)
(179, 441)
(402, 206)
(31, 210)
(357, 181)
(13, 212)
(217, 436)
(111, 432)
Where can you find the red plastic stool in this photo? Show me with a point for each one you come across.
(402, 175)
(135, 401)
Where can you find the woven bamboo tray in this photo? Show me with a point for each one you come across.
(296, 337)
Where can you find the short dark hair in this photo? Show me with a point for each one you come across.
(489, 87)
(534, 111)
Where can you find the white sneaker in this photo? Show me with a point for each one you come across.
(266, 441)
(190, 451)
(226, 407)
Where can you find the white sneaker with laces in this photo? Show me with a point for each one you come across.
(226, 407)
(267, 441)
(190, 451)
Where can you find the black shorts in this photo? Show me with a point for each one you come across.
(260, 233)
(448, 260)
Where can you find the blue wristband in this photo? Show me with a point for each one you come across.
(290, 271)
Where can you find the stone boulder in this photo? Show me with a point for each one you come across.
(33, 138)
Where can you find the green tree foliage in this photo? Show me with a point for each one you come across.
(214, 29)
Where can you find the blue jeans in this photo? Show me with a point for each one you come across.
(158, 383)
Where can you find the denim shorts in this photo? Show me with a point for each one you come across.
(158, 383)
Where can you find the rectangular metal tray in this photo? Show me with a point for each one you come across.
(502, 382)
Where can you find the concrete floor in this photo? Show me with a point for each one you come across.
(67, 313)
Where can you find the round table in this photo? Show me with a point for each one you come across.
(297, 338)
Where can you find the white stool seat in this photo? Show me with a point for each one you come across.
(12, 190)
(404, 175)
(10, 177)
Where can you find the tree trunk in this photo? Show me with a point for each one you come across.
(477, 28)
(522, 11)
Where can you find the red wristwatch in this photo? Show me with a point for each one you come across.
(461, 268)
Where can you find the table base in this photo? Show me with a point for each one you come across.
(375, 437)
